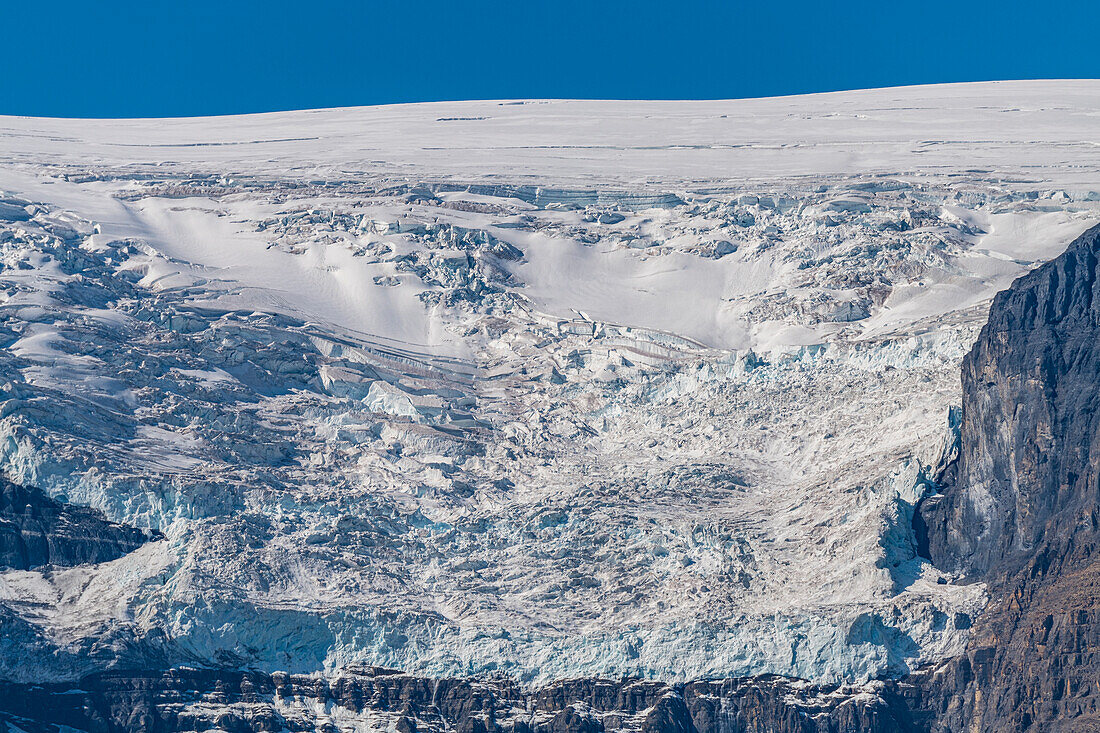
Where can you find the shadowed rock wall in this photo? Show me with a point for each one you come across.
(36, 530)
(1025, 511)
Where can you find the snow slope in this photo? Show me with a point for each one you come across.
(549, 388)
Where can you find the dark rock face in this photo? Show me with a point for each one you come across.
(186, 700)
(1024, 514)
(1029, 436)
(36, 530)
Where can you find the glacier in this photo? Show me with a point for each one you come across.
(545, 390)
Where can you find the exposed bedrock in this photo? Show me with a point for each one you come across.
(36, 530)
(192, 700)
(1025, 511)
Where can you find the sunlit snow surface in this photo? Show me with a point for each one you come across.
(550, 389)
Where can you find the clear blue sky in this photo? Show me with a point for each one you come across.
(189, 57)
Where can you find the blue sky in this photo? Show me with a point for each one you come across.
(153, 58)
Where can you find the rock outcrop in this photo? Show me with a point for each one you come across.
(1024, 514)
(36, 530)
(190, 700)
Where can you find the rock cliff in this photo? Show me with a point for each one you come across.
(1025, 511)
(375, 699)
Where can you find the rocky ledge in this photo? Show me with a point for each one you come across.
(196, 700)
(36, 530)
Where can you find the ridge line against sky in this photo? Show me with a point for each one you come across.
(162, 59)
(839, 94)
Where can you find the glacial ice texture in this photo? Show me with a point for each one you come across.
(549, 420)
